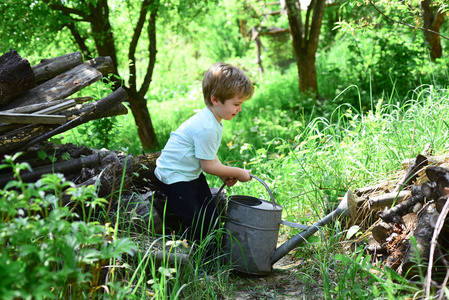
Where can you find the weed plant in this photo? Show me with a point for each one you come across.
(309, 162)
(53, 250)
(311, 171)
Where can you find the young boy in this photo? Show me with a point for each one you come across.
(192, 149)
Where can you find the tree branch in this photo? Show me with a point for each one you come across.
(66, 10)
(79, 40)
(133, 44)
(406, 24)
(308, 13)
(152, 49)
(317, 17)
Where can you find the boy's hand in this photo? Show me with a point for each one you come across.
(244, 175)
(230, 181)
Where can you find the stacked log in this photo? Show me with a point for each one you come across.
(400, 221)
(35, 103)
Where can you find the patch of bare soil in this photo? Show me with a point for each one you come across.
(285, 282)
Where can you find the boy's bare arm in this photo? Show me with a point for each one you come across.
(215, 167)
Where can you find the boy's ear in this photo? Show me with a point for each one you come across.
(214, 100)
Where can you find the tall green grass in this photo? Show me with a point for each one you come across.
(308, 162)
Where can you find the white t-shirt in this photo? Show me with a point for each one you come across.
(197, 138)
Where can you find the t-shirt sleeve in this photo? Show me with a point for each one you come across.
(206, 144)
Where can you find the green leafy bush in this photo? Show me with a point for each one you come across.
(46, 249)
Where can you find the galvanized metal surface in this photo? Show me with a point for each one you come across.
(253, 225)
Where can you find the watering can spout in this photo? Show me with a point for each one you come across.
(343, 209)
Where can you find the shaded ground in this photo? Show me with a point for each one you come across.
(285, 282)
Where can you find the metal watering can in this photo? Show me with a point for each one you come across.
(253, 229)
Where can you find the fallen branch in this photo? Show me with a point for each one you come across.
(381, 232)
(433, 243)
(420, 162)
(102, 107)
(377, 202)
(395, 214)
(70, 166)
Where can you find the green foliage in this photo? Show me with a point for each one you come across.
(46, 250)
(357, 278)
(100, 133)
(226, 40)
(97, 133)
(382, 101)
(15, 29)
(382, 62)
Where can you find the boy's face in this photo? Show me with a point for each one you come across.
(227, 110)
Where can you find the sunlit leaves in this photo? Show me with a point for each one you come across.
(43, 250)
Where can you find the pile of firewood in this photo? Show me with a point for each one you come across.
(35, 103)
(406, 225)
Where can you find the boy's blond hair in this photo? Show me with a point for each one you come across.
(225, 81)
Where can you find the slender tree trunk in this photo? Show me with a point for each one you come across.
(307, 72)
(138, 102)
(104, 41)
(433, 18)
(102, 31)
(305, 39)
(145, 128)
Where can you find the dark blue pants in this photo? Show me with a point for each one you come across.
(192, 202)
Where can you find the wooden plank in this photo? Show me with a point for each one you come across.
(56, 108)
(34, 119)
(77, 111)
(58, 87)
(103, 106)
(38, 108)
(49, 68)
(20, 136)
(60, 105)
(102, 63)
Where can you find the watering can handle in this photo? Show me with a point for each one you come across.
(268, 189)
(261, 181)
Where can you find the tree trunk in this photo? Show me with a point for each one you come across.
(145, 129)
(104, 40)
(305, 41)
(307, 71)
(432, 21)
(102, 31)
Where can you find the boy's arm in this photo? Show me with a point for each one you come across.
(215, 167)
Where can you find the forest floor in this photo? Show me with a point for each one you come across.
(284, 282)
